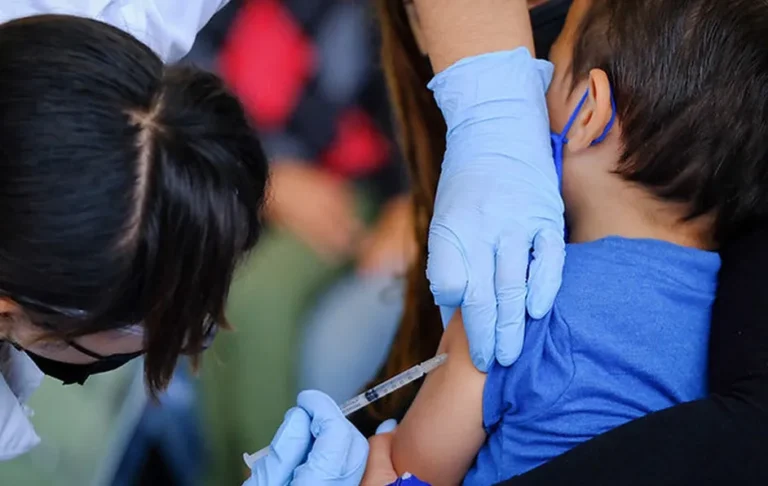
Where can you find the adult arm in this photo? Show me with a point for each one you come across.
(456, 29)
(722, 439)
(168, 27)
(498, 197)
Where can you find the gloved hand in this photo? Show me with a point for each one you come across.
(498, 198)
(336, 457)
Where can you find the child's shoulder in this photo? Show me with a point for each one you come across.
(633, 272)
(620, 299)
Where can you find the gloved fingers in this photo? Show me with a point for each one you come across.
(446, 267)
(289, 448)
(386, 427)
(479, 310)
(339, 452)
(511, 288)
(546, 273)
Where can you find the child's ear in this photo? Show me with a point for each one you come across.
(413, 20)
(595, 115)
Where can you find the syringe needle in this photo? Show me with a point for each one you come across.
(369, 396)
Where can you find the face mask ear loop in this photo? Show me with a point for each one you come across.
(610, 122)
(558, 154)
(560, 139)
(575, 114)
(573, 117)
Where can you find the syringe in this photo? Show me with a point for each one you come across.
(356, 403)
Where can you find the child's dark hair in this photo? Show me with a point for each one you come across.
(129, 190)
(690, 78)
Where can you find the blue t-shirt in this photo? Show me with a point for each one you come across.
(628, 335)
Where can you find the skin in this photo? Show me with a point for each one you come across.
(598, 202)
(316, 207)
(454, 29)
(442, 431)
(320, 210)
(16, 326)
(378, 469)
(390, 248)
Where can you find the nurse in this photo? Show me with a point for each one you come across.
(131, 190)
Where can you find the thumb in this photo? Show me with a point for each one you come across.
(339, 451)
(446, 267)
(286, 452)
(546, 272)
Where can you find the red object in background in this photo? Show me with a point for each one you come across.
(267, 61)
(359, 148)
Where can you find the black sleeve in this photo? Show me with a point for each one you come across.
(722, 439)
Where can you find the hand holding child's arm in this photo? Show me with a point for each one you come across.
(443, 430)
(498, 197)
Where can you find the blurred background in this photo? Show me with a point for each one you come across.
(316, 305)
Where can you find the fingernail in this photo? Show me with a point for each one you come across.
(278, 439)
(534, 310)
(386, 427)
(509, 356)
(480, 363)
(537, 307)
(285, 432)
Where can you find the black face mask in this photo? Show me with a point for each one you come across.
(70, 373)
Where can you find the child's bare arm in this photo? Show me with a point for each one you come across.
(443, 430)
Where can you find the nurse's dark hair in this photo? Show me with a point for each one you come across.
(690, 80)
(129, 190)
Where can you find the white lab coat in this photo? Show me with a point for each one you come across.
(169, 27)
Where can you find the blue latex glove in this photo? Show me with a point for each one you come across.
(498, 199)
(315, 446)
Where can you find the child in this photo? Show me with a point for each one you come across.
(679, 168)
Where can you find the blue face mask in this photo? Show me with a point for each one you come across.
(560, 139)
